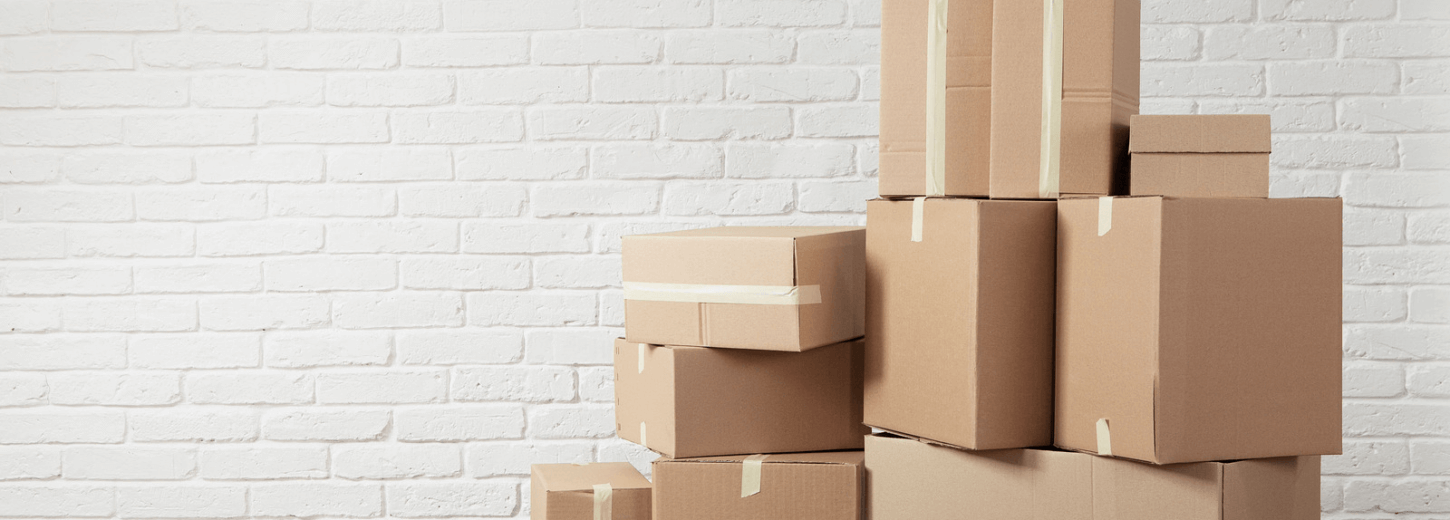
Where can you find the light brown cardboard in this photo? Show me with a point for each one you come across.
(693, 401)
(1099, 94)
(959, 325)
(1200, 329)
(910, 480)
(566, 491)
(832, 258)
(903, 97)
(793, 486)
(1200, 155)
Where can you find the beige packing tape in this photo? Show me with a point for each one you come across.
(643, 441)
(706, 293)
(1105, 438)
(643, 350)
(918, 210)
(1050, 160)
(750, 475)
(603, 502)
(936, 98)
(1105, 215)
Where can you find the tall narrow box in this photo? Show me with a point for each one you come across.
(577, 491)
(759, 288)
(959, 320)
(1198, 329)
(790, 486)
(1200, 155)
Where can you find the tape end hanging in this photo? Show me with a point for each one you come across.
(643, 441)
(750, 475)
(603, 502)
(643, 350)
(918, 211)
(1105, 438)
(1105, 215)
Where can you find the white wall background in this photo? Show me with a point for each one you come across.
(359, 258)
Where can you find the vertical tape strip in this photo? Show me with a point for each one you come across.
(1050, 160)
(750, 475)
(643, 350)
(1105, 438)
(643, 441)
(936, 98)
(918, 209)
(603, 502)
(1105, 215)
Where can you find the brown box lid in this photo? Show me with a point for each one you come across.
(566, 491)
(794, 486)
(1224, 133)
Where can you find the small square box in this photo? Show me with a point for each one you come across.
(1200, 155)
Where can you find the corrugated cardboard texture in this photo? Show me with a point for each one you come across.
(959, 325)
(1200, 174)
(832, 257)
(797, 486)
(703, 401)
(566, 491)
(1201, 329)
(1225, 133)
(1099, 95)
(903, 97)
(909, 480)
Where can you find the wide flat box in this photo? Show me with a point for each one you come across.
(1200, 155)
(759, 288)
(1199, 329)
(910, 480)
(968, 108)
(567, 492)
(792, 486)
(1100, 55)
(692, 401)
(959, 324)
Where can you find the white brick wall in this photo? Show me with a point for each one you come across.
(359, 258)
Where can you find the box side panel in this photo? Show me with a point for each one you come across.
(969, 97)
(910, 480)
(1016, 119)
(538, 497)
(1219, 133)
(1216, 175)
(631, 504)
(837, 263)
(1272, 489)
(711, 491)
(644, 405)
(1127, 490)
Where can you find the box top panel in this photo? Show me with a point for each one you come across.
(583, 477)
(1230, 133)
(854, 458)
(758, 231)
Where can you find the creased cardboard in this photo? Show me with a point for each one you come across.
(1200, 155)
(793, 486)
(566, 491)
(693, 401)
(1100, 69)
(904, 90)
(910, 480)
(1199, 329)
(959, 325)
(828, 261)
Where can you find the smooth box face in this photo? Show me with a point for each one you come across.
(793, 486)
(959, 324)
(566, 491)
(1199, 329)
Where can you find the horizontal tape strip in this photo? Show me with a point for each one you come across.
(704, 293)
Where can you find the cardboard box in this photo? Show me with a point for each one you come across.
(959, 324)
(791, 486)
(760, 288)
(1099, 92)
(967, 105)
(692, 401)
(910, 480)
(1200, 156)
(571, 492)
(1198, 329)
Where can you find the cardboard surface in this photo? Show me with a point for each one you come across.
(1099, 93)
(903, 97)
(831, 258)
(1200, 155)
(910, 480)
(1225, 133)
(959, 325)
(566, 491)
(797, 486)
(1200, 329)
(702, 401)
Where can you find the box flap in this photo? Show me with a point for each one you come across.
(819, 457)
(1243, 133)
(583, 477)
(1279, 489)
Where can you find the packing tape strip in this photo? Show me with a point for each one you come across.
(706, 293)
(918, 210)
(1105, 438)
(643, 441)
(936, 98)
(643, 350)
(603, 502)
(1050, 160)
(750, 475)
(1105, 215)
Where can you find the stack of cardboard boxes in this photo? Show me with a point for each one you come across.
(1069, 310)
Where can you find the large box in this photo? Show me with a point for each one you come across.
(910, 480)
(692, 401)
(1200, 156)
(576, 491)
(1198, 329)
(966, 104)
(959, 320)
(792, 486)
(761, 288)
(1086, 119)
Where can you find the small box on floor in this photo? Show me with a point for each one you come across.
(584, 491)
(790, 486)
(692, 401)
(1196, 330)
(911, 480)
(1200, 156)
(758, 288)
